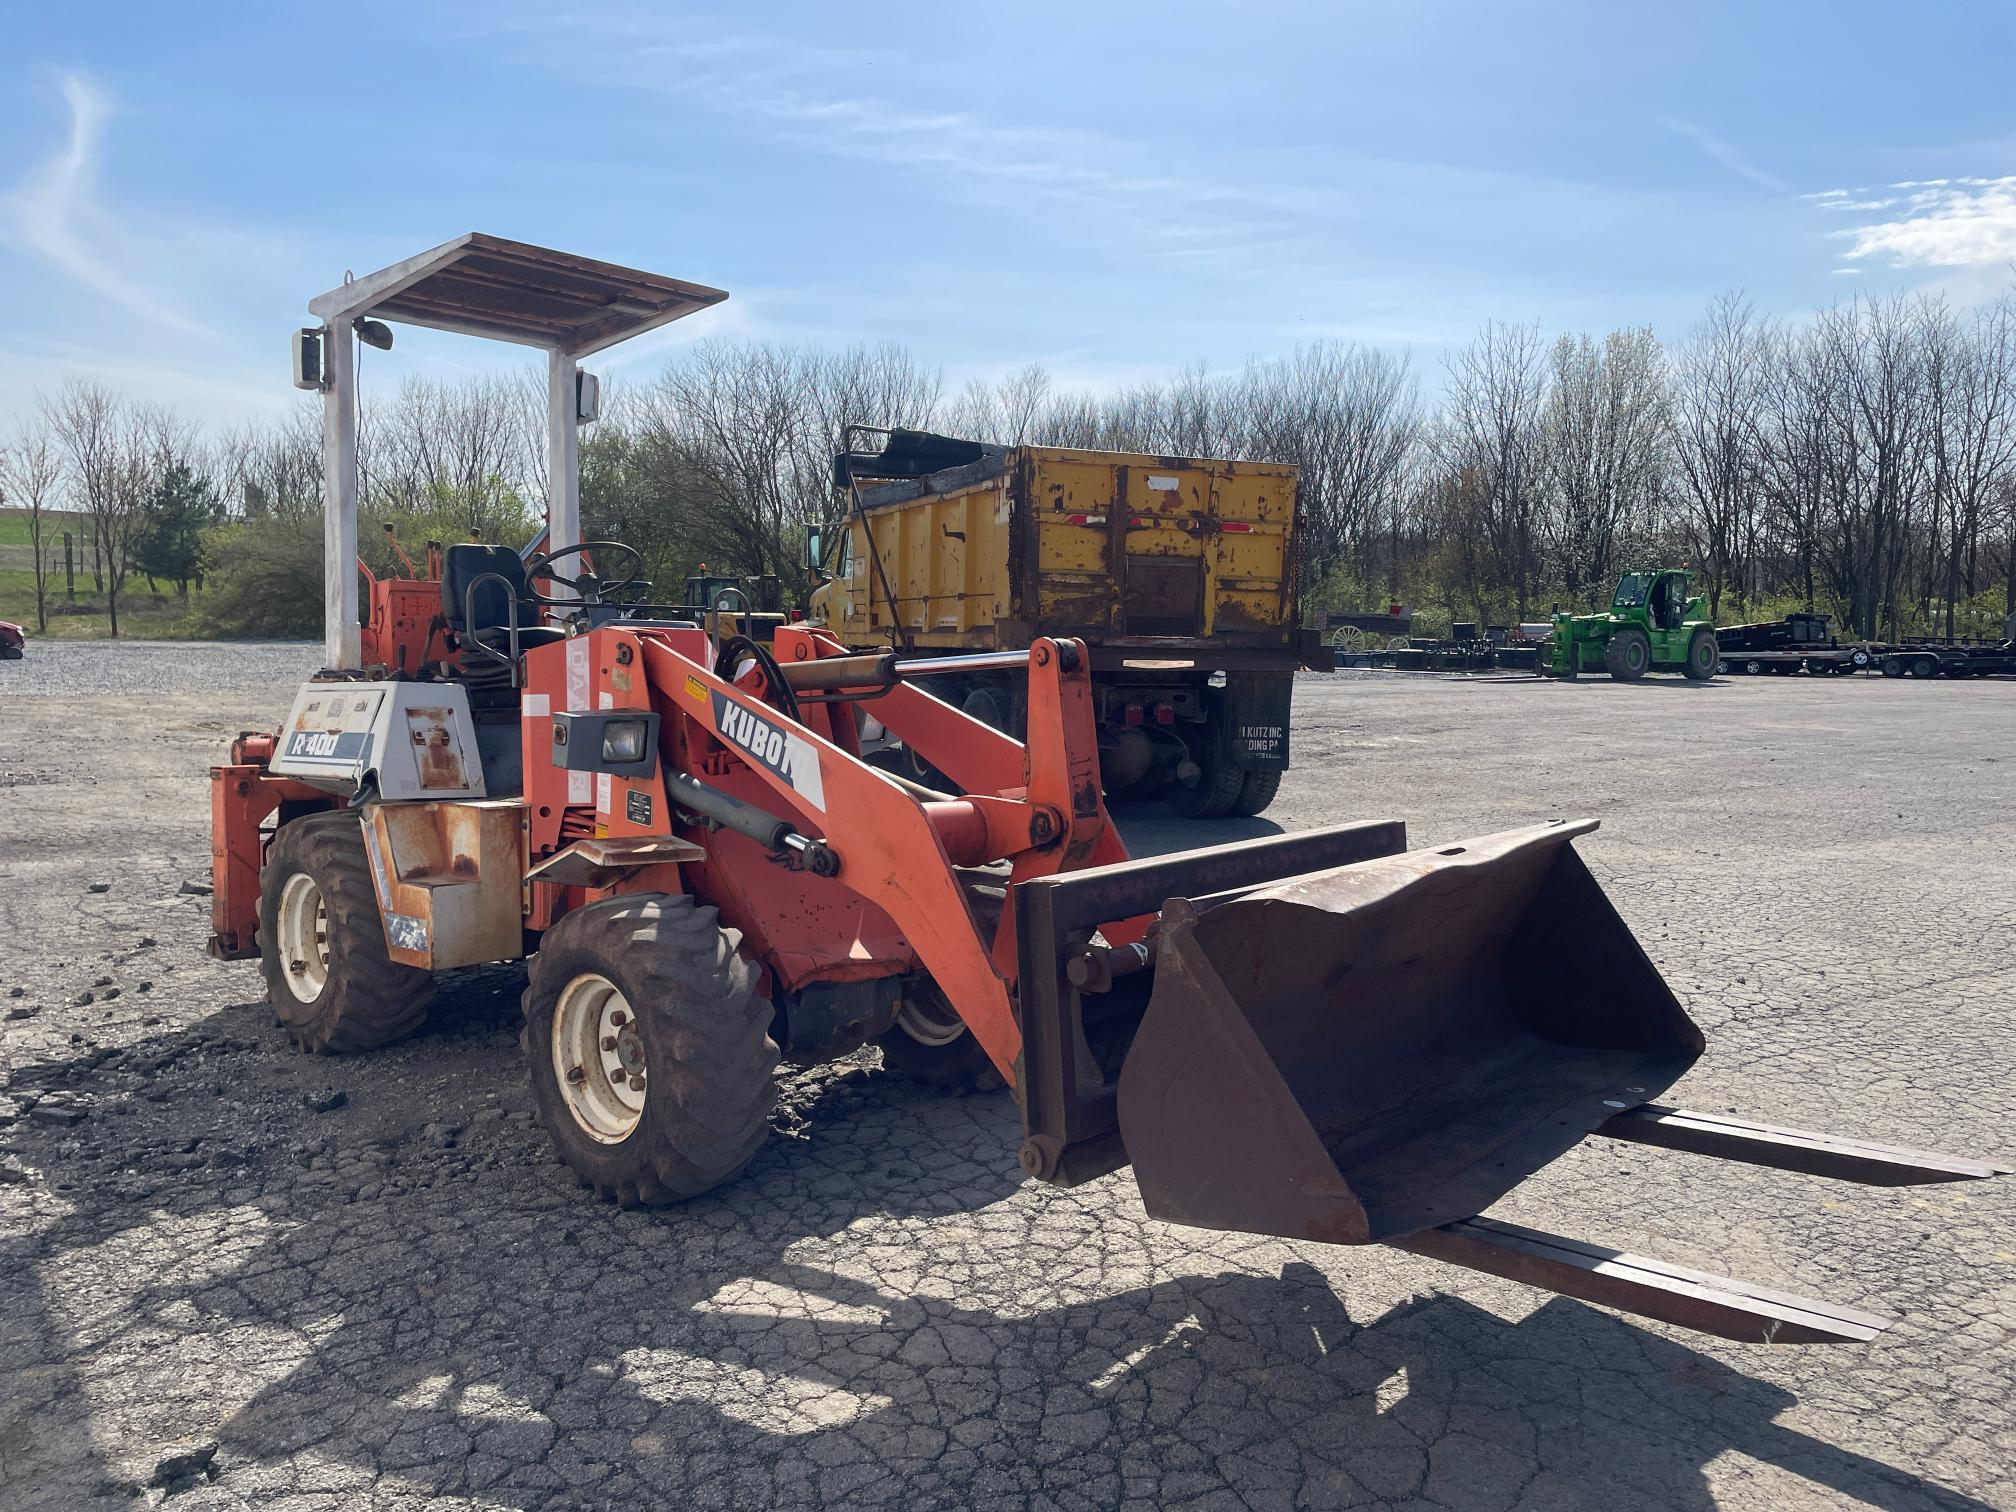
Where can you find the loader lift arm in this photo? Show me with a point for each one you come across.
(1028, 805)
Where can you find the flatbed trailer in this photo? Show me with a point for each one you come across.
(1945, 659)
(1820, 661)
(1804, 643)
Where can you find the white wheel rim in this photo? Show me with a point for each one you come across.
(916, 1019)
(304, 937)
(598, 1058)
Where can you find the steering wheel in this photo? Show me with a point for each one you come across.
(592, 589)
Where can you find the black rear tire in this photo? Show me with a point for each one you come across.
(1215, 793)
(1703, 656)
(988, 706)
(1256, 793)
(708, 1059)
(1629, 655)
(1922, 666)
(367, 999)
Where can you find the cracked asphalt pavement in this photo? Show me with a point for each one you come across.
(235, 1277)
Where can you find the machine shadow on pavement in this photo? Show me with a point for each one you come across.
(467, 1322)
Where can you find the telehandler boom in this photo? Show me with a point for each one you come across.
(1320, 1035)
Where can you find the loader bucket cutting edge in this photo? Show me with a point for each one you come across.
(1361, 1053)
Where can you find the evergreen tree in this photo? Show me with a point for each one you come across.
(170, 542)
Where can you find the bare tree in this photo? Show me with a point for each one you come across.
(1971, 371)
(1604, 456)
(1349, 418)
(115, 451)
(1716, 420)
(1491, 436)
(474, 451)
(272, 471)
(31, 470)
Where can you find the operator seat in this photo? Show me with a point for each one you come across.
(488, 614)
(491, 683)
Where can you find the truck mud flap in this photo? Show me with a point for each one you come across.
(1252, 717)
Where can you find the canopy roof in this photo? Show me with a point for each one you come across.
(482, 285)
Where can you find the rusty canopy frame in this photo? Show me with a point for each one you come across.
(489, 286)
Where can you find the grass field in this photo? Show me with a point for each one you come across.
(141, 614)
(14, 526)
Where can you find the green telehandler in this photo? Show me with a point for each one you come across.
(1652, 625)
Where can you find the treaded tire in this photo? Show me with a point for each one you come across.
(1213, 796)
(1255, 793)
(959, 1064)
(1628, 656)
(1704, 656)
(368, 999)
(709, 1059)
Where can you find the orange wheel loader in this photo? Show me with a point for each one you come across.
(1322, 1035)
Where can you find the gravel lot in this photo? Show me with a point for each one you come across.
(230, 1276)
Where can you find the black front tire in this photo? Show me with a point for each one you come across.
(11, 652)
(1628, 656)
(708, 1059)
(367, 999)
(1703, 656)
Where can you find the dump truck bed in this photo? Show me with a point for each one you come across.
(1124, 550)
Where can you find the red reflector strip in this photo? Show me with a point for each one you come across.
(1235, 527)
(1141, 522)
(1084, 519)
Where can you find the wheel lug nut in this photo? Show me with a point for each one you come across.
(619, 1018)
(636, 1084)
(608, 1042)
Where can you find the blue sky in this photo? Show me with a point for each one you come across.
(1111, 189)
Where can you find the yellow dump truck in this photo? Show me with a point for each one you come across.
(1177, 572)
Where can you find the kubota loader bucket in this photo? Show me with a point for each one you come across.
(1357, 1054)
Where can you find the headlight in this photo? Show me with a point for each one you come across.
(623, 741)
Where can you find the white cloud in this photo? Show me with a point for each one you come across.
(56, 216)
(1729, 157)
(1943, 223)
(817, 99)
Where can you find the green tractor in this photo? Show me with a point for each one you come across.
(1652, 625)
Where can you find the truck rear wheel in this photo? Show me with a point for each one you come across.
(1213, 796)
(652, 1066)
(1629, 655)
(1703, 656)
(330, 980)
(1255, 793)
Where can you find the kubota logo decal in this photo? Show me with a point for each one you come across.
(790, 756)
